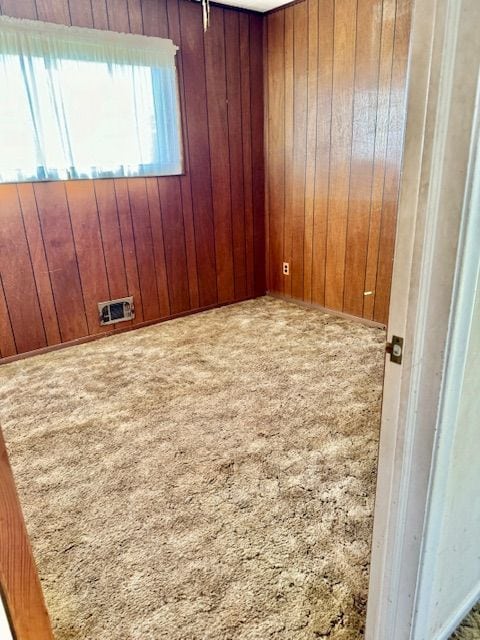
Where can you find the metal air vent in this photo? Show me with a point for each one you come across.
(114, 311)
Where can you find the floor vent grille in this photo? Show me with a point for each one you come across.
(114, 311)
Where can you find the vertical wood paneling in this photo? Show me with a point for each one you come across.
(219, 153)
(117, 15)
(235, 144)
(39, 263)
(88, 248)
(99, 12)
(194, 73)
(323, 146)
(341, 148)
(19, 8)
(276, 146)
(135, 16)
(394, 160)
(177, 243)
(311, 143)
(336, 111)
(16, 267)
(376, 204)
(300, 101)
(128, 244)
(57, 11)
(266, 119)
(363, 144)
(7, 339)
(257, 146)
(155, 20)
(289, 128)
(62, 259)
(111, 238)
(158, 241)
(245, 84)
(142, 231)
(80, 13)
(185, 183)
(175, 253)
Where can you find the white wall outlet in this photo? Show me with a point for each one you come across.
(286, 268)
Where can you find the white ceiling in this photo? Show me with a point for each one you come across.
(255, 5)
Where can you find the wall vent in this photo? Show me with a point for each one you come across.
(114, 311)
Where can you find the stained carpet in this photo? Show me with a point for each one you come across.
(209, 478)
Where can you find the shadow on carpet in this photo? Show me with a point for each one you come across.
(208, 478)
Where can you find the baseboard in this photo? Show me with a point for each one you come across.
(331, 312)
(106, 334)
(148, 323)
(459, 615)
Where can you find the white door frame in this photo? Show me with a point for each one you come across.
(442, 84)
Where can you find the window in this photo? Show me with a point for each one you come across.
(82, 103)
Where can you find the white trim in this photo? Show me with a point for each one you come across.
(431, 200)
(452, 624)
(418, 83)
(466, 282)
(420, 363)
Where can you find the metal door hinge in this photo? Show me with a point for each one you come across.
(395, 349)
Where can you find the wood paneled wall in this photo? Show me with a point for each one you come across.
(177, 243)
(335, 110)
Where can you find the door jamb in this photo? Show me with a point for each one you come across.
(436, 158)
(19, 579)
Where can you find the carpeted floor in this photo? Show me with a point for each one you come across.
(470, 627)
(209, 478)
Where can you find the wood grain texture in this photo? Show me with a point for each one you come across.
(379, 162)
(62, 259)
(275, 120)
(257, 152)
(311, 141)
(81, 13)
(160, 239)
(341, 149)
(300, 101)
(216, 82)
(288, 151)
(17, 274)
(87, 238)
(18, 574)
(197, 135)
(173, 15)
(19, 9)
(396, 126)
(176, 243)
(335, 114)
(246, 97)
(324, 73)
(111, 238)
(235, 145)
(369, 18)
(7, 339)
(39, 262)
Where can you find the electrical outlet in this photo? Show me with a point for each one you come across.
(286, 268)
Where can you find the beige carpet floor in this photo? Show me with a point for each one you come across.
(470, 627)
(209, 478)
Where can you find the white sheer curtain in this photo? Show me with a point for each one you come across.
(81, 103)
